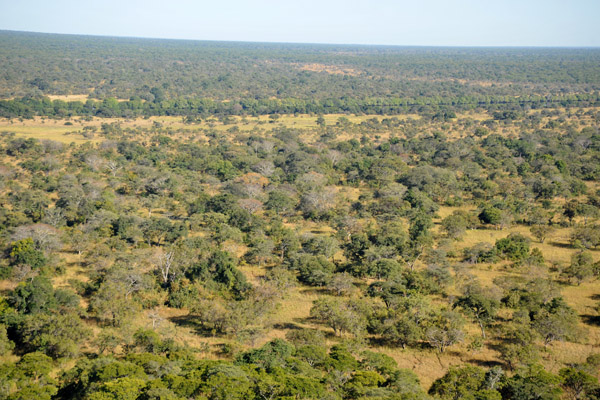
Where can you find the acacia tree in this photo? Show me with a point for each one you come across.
(556, 322)
(403, 324)
(480, 305)
(541, 231)
(341, 315)
(445, 330)
(455, 225)
(518, 346)
(581, 267)
(420, 237)
(466, 382)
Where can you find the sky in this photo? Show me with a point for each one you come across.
(385, 22)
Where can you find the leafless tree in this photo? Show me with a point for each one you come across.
(250, 205)
(113, 167)
(45, 237)
(267, 146)
(334, 156)
(155, 318)
(95, 162)
(265, 168)
(165, 263)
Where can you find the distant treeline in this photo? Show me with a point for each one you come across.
(37, 65)
(135, 107)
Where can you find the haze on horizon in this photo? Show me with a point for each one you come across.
(385, 22)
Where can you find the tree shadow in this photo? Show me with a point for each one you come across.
(486, 363)
(287, 325)
(595, 297)
(379, 342)
(192, 323)
(591, 319)
(561, 245)
(319, 291)
(303, 320)
(497, 346)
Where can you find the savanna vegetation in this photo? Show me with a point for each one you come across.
(434, 250)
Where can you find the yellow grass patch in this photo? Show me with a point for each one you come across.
(69, 97)
(46, 129)
(330, 69)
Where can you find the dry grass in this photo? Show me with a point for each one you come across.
(69, 97)
(294, 309)
(330, 69)
(44, 129)
(55, 129)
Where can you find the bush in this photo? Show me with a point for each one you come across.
(514, 247)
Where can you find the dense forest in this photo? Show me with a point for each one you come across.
(169, 77)
(429, 251)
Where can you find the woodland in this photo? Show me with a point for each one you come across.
(219, 220)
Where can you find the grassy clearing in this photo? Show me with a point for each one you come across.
(45, 129)
(69, 97)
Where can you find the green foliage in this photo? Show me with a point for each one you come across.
(578, 384)
(514, 247)
(532, 383)
(347, 207)
(150, 341)
(445, 330)
(226, 273)
(6, 345)
(24, 252)
(467, 382)
(556, 321)
(280, 202)
(581, 267)
(313, 270)
(57, 335)
(112, 303)
(38, 295)
(269, 356)
(478, 303)
(341, 315)
(490, 215)
(586, 236)
(28, 379)
(455, 225)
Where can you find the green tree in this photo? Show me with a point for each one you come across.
(518, 346)
(541, 231)
(445, 330)
(111, 303)
(480, 305)
(24, 252)
(420, 237)
(532, 383)
(490, 215)
(464, 382)
(577, 383)
(581, 267)
(6, 346)
(341, 315)
(227, 382)
(38, 296)
(455, 225)
(57, 335)
(556, 321)
(514, 247)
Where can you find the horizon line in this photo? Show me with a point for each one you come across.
(305, 43)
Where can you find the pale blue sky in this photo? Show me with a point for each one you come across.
(400, 22)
